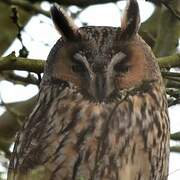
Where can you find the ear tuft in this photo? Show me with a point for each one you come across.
(131, 20)
(63, 23)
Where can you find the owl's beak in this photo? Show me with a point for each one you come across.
(99, 87)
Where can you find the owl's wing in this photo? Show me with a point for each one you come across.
(39, 173)
(29, 142)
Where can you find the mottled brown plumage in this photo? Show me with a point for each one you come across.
(102, 108)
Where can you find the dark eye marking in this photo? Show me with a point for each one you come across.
(121, 67)
(78, 64)
(119, 63)
(78, 67)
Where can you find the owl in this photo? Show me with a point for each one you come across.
(102, 109)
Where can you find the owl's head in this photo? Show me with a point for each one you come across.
(100, 62)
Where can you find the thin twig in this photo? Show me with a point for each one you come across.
(172, 103)
(23, 52)
(17, 79)
(177, 79)
(172, 84)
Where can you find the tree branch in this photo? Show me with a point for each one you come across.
(18, 63)
(80, 3)
(29, 7)
(172, 74)
(37, 65)
(175, 149)
(175, 136)
(172, 84)
(7, 27)
(169, 61)
(166, 3)
(84, 3)
(17, 79)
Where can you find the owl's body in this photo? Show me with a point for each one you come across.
(86, 142)
(99, 118)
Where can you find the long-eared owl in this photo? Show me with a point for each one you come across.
(102, 109)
